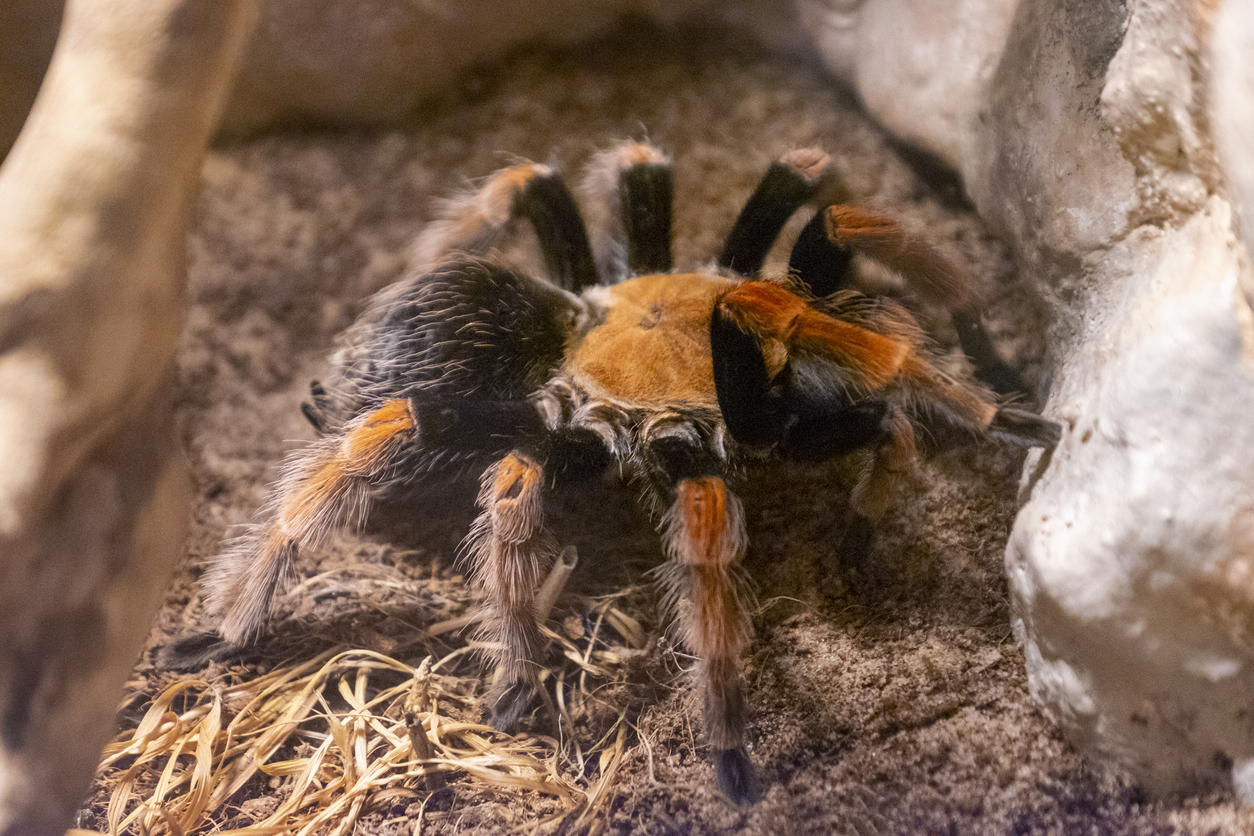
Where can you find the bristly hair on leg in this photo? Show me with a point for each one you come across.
(508, 550)
(325, 486)
(705, 539)
(476, 223)
(896, 454)
(626, 192)
(887, 241)
(473, 222)
(704, 535)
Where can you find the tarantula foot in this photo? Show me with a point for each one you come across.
(1027, 429)
(512, 703)
(195, 651)
(735, 776)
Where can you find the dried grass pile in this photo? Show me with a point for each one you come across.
(350, 733)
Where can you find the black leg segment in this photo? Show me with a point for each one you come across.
(753, 412)
(549, 206)
(788, 184)
(807, 410)
(316, 413)
(735, 776)
(983, 356)
(674, 453)
(820, 264)
(646, 191)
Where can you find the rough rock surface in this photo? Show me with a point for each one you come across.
(1090, 150)
(923, 69)
(94, 203)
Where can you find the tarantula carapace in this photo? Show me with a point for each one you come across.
(536, 385)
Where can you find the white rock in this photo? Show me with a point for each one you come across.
(1089, 148)
(922, 68)
(94, 199)
(1119, 561)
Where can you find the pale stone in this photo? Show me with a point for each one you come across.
(94, 200)
(1232, 120)
(923, 68)
(1117, 560)
(1090, 149)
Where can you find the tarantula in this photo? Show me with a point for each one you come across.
(540, 384)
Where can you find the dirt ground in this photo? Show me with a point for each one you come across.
(885, 699)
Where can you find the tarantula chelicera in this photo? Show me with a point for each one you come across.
(537, 384)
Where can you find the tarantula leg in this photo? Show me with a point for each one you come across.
(705, 539)
(954, 411)
(510, 549)
(979, 349)
(791, 182)
(785, 324)
(474, 224)
(894, 455)
(646, 185)
(752, 409)
(759, 331)
(323, 486)
(628, 196)
(847, 229)
(1026, 429)
(316, 412)
(885, 240)
(818, 262)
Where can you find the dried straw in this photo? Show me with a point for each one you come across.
(352, 731)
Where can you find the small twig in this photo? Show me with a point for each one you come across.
(546, 597)
(553, 585)
(416, 703)
(450, 624)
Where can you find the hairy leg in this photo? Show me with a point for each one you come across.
(838, 231)
(892, 458)
(325, 485)
(788, 374)
(822, 265)
(628, 191)
(705, 539)
(509, 550)
(475, 223)
(795, 179)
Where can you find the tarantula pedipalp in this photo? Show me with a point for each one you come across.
(535, 385)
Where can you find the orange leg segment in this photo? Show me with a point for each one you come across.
(705, 539)
(476, 223)
(778, 317)
(884, 240)
(325, 485)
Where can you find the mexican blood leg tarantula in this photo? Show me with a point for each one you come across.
(538, 384)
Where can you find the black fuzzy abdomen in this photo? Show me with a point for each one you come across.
(468, 330)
